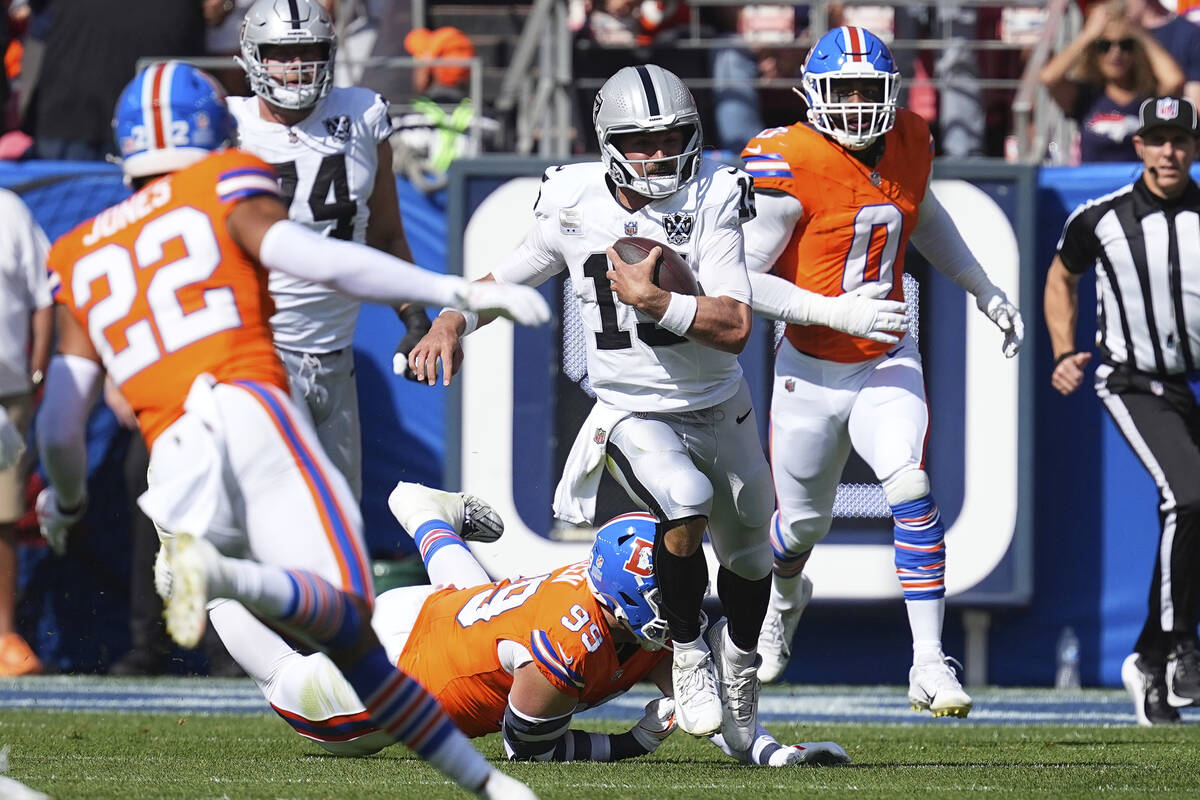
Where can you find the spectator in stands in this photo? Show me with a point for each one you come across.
(762, 39)
(631, 23)
(26, 328)
(439, 127)
(1102, 76)
(1178, 36)
(221, 38)
(90, 54)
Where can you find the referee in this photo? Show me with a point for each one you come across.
(1144, 242)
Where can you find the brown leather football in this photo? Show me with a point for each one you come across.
(671, 272)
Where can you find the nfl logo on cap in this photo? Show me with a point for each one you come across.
(1166, 108)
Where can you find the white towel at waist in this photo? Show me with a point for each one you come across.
(575, 497)
(187, 465)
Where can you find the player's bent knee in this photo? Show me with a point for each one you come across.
(752, 563)
(906, 486)
(755, 501)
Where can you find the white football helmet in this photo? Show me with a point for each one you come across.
(280, 23)
(647, 98)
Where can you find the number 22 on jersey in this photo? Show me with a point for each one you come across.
(866, 263)
(162, 325)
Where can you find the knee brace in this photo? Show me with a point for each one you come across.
(919, 540)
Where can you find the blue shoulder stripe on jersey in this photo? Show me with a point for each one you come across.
(240, 171)
(544, 652)
(771, 173)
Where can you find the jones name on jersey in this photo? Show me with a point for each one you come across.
(326, 165)
(632, 363)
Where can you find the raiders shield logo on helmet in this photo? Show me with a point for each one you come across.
(338, 127)
(678, 227)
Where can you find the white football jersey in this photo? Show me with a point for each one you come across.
(632, 363)
(326, 166)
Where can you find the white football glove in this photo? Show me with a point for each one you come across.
(12, 443)
(524, 305)
(55, 524)
(656, 724)
(865, 312)
(821, 754)
(1000, 311)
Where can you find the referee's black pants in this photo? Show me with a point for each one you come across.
(1160, 419)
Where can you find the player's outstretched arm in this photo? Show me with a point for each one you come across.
(864, 312)
(766, 751)
(538, 718)
(939, 240)
(259, 225)
(73, 383)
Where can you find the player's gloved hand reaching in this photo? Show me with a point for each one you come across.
(1000, 311)
(821, 754)
(416, 324)
(656, 724)
(524, 305)
(867, 313)
(12, 444)
(54, 521)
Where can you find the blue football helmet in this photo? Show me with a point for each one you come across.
(851, 58)
(170, 116)
(622, 576)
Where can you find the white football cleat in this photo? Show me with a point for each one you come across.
(778, 630)
(739, 690)
(189, 559)
(698, 708)
(472, 518)
(933, 686)
(499, 786)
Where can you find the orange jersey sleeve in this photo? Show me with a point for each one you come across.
(856, 220)
(164, 292)
(452, 650)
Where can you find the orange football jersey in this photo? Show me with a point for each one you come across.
(164, 292)
(452, 648)
(856, 221)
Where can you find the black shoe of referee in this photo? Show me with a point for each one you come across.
(1183, 675)
(1147, 686)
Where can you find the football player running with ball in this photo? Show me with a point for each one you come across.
(838, 199)
(673, 419)
(329, 146)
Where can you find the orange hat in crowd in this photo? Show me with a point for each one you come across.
(442, 43)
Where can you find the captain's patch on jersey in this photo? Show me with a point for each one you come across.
(678, 227)
(338, 127)
(570, 221)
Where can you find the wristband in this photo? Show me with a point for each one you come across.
(680, 314)
(471, 318)
(1064, 356)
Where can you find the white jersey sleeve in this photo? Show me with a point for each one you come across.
(722, 255)
(536, 259)
(326, 165)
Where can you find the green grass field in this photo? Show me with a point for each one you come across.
(73, 754)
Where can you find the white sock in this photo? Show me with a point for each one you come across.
(785, 592)
(455, 566)
(925, 620)
(736, 655)
(261, 587)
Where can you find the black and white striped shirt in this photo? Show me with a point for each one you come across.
(1146, 251)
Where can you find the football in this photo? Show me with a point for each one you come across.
(671, 272)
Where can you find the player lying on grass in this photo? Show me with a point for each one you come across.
(519, 656)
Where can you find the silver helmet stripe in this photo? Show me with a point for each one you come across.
(651, 95)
